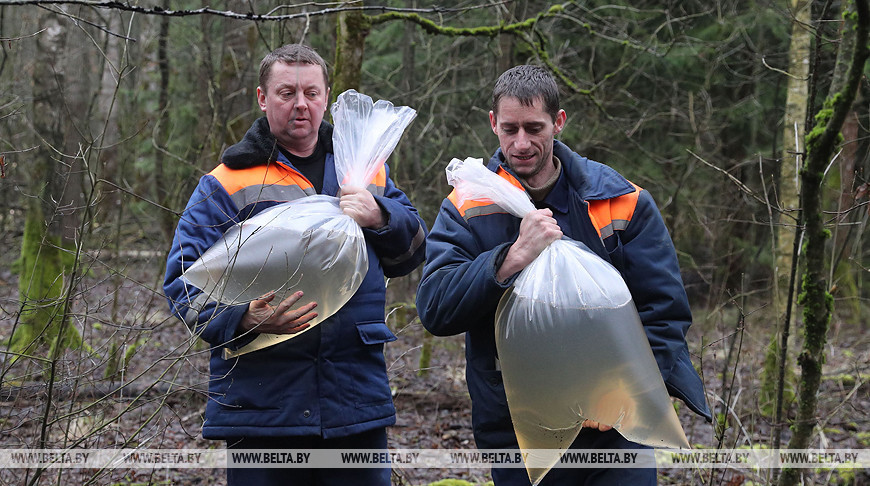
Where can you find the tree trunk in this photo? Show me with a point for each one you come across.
(239, 73)
(409, 84)
(793, 134)
(817, 301)
(41, 280)
(351, 32)
(160, 186)
(794, 122)
(842, 174)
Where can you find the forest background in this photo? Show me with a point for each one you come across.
(111, 111)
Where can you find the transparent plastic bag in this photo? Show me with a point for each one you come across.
(307, 244)
(365, 135)
(571, 345)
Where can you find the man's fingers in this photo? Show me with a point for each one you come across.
(293, 326)
(262, 301)
(301, 313)
(596, 425)
(298, 329)
(287, 303)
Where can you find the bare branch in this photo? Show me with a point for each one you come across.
(157, 10)
(10, 39)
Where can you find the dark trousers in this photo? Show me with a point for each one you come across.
(587, 439)
(374, 439)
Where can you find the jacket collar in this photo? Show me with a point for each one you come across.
(259, 147)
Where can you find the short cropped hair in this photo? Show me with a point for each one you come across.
(527, 83)
(291, 54)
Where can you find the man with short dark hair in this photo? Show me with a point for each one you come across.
(475, 251)
(328, 387)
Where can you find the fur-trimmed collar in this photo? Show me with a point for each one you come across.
(259, 147)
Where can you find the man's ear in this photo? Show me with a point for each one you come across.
(561, 118)
(261, 99)
(492, 122)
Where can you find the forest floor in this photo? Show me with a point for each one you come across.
(162, 402)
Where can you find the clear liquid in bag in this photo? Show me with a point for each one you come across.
(562, 365)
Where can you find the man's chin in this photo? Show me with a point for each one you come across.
(300, 132)
(523, 168)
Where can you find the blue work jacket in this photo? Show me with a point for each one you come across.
(331, 381)
(593, 204)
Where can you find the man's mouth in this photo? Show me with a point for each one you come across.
(524, 157)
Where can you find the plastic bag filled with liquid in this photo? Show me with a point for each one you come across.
(307, 244)
(570, 343)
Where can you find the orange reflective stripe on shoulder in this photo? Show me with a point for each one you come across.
(234, 180)
(473, 207)
(479, 207)
(610, 215)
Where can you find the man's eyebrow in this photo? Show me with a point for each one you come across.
(281, 85)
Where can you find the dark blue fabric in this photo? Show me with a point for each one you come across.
(567, 476)
(330, 381)
(459, 292)
(373, 439)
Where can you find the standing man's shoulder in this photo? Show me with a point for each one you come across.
(593, 180)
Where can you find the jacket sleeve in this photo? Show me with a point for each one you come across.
(209, 213)
(401, 244)
(459, 287)
(652, 273)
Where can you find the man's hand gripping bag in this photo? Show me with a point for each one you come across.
(570, 343)
(307, 244)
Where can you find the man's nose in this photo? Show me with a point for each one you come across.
(301, 101)
(522, 140)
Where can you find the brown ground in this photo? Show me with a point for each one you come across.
(162, 405)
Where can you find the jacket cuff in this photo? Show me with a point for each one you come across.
(234, 318)
(387, 219)
(499, 254)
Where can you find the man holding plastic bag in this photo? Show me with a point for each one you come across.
(476, 249)
(327, 387)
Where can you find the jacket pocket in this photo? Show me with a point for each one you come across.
(368, 370)
(375, 332)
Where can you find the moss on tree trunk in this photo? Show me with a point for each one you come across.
(351, 32)
(41, 290)
(817, 302)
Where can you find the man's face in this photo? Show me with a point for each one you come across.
(294, 103)
(525, 134)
